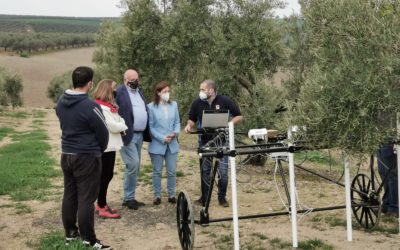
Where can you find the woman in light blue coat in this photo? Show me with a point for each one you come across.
(164, 126)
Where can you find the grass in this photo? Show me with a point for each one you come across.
(145, 174)
(314, 244)
(317, 157)
(4, 132)
(260, 236)
(388, 226)
(55, 240)
(39, 114)
(22, 208)
(277, 243)
(180, 174)
(18, 115)
(25, 167)
(224, 242)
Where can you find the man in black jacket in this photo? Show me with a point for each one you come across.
(84, 138)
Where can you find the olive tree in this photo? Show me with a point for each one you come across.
(349, 88)
(234, 42)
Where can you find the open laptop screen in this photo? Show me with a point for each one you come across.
(215, 119)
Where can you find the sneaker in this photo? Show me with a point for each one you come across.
(157, 201)
(133, 204)
(172, 200)
(95, 245)
(223, 202)
(106, 213)
(72, 237)
(106, 207)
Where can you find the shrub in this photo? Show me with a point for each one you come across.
(10, 88)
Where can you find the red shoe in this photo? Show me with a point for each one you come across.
(105, 213)
(107, 208)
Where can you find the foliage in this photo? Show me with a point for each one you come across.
(47, 24)
(10, 89)
(348, 73)
(62, 82)
(235, 43)
(56, 240)
(30, 42)
(58, 85)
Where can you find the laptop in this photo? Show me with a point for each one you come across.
(215, 119)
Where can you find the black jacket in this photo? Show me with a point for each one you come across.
(82, 123)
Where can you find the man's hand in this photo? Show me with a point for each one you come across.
(168, 139)
(188, 128)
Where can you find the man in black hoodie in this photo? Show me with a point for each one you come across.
(84, 138)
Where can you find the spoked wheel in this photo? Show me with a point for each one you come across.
(366, 204)
(185, 221)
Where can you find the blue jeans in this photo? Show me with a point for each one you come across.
(130, 154)
(170, 163)
(206, 166)
(387, 161)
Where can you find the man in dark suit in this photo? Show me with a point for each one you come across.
(132, 108)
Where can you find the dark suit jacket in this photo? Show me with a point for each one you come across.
(125, 111)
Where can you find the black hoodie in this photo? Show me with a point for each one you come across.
(82, 123)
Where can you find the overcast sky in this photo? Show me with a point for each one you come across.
(86, 8)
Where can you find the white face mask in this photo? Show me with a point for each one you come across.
(202, 96)
(165, 97)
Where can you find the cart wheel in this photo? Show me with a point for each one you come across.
(365, 204)
(185, 221)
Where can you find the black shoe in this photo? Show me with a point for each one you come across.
(72, 237)
(95, 245)
(157, 201)
(131, 204)
(384, 210)
(140, 204)
(223, 202)
(172, 200)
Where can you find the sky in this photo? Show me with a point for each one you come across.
(87, 8)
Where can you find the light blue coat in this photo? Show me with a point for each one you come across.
(161, 126)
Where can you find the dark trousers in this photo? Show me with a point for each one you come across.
(206, 176)
(387, 164)
(81, 187)
(107, 173)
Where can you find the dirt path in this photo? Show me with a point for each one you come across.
(154, 227)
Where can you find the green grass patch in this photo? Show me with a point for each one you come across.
(55, 240)
(22, 208)
(224, 242)
(180, 174)
(145, 174)
(37, 123)
(4, 132)
(25, 167)
(277, 243)
(316, 157)
(259, 236)
(18, 115)
(6, 206)
(314, 244)
(39, 114)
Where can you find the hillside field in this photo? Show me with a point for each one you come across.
(38, 70)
